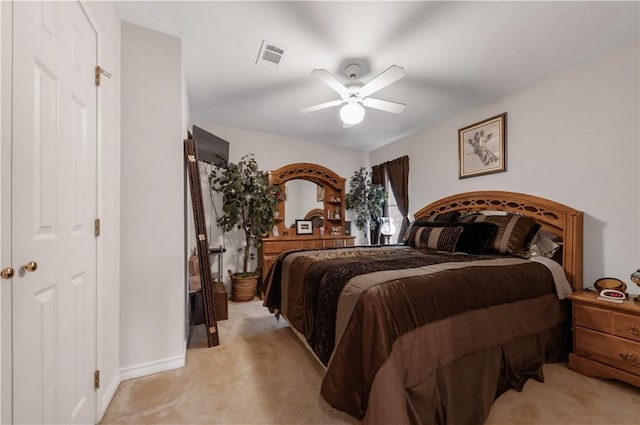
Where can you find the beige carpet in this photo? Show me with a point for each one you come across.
(262, 374)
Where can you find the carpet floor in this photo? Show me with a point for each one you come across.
(262, 374)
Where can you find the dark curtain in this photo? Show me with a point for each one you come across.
(378, 177)
(398, 175)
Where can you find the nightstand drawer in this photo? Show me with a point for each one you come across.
(626, 326)
(593, 317)
(620, 353)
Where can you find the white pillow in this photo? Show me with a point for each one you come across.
(543, 245)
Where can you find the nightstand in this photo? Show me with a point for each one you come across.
(606, 338)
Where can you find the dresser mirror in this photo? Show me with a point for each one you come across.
(301, 199)
(312, 192)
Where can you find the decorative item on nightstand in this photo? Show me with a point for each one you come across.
(610, 283)
(611, 289)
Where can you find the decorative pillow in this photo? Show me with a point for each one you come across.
(411, 227)
(442, 238)
(474, 239)
(493, 212)
(448, 217)
(405, 237)
(420, 222)
(544, 244)
(515, 232)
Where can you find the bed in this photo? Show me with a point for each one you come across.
(434, 330)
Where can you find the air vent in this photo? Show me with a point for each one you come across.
(270, 54)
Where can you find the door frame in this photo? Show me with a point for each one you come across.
(6, 76)
(103, 394)
(6, 140)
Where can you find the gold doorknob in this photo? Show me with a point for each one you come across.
(7, 273)
(31, 266)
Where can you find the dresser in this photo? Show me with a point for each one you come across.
(273, 246)
(328, 205)
(606, 338)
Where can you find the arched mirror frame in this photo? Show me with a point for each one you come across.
(333, 202)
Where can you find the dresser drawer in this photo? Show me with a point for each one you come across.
(593, 317)
(626, 326)
(618, 352)
(276, 247)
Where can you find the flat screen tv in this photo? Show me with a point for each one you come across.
(211, 148)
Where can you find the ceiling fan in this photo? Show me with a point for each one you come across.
(355, 95)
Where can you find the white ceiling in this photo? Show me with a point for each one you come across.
(455, 55)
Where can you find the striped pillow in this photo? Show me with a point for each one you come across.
(515, 232)
(438, 238)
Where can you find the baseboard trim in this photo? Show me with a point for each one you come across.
(108, 394)
(145, 369)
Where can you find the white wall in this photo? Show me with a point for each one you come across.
(271, 152)
(186, 119)
(104, 16)
(573, 137)
(152, 308)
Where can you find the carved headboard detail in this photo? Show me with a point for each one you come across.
(554, 217)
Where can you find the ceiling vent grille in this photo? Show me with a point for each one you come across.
(270, 54)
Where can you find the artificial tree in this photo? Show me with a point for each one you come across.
(367, 200)
(248, 203)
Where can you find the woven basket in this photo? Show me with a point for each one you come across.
(244, 288)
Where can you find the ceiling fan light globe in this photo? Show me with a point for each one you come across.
(352, 113)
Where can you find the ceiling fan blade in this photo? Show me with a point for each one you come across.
(321, 106)
(388, 76)
(324, 76)
(384, 105)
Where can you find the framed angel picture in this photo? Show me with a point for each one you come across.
(481, 147)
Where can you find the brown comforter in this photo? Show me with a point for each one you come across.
(415, 336)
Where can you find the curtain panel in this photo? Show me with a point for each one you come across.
(378, 177)
(397, 171)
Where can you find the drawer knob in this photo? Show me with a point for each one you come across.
(631, 358)
(633, 330)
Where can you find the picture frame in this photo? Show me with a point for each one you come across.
(482, 147)
(304, 227)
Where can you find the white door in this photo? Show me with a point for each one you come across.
(53, 213)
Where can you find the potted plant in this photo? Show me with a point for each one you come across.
(248, 205)
(367, 199)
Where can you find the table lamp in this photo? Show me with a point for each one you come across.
(387, 229)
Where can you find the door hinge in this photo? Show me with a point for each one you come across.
(99, 73)
(96, 228)
(96, 379)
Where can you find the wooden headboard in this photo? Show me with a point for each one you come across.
(554, 217)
